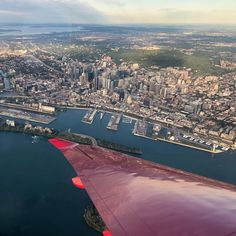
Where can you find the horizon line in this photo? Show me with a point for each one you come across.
(121, 24)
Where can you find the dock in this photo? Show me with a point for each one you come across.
(114, 122)
(201, 143)
(217, 151)
(89, 116)
(127, 120)
(153, 131)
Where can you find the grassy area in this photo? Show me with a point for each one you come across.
(201, 64)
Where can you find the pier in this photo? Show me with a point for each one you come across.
(89, 116)
(155, 132)
(216, 151)
(114, 122)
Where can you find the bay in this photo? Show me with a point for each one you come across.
(36, 194)
(36, 29)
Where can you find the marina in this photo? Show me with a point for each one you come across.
(154, 131)
(127, 120)
(142, 128)
(89, 116)
(43, 157)
(157, 132)
(173, 141)
(114, 122)
(197, 142)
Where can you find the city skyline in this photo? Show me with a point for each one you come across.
(118, 12)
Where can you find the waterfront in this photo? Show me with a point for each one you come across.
(28, 116)
(43, 196)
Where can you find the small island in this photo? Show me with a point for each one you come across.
(27, 128)
(93, 219)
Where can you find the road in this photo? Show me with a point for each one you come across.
(93, 140)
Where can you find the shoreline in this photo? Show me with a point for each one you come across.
(189, 146)
(73, 137)
(178, 143)
(153, 139)
(28, 119)
(142, 136)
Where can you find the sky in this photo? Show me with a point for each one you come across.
(119, 11)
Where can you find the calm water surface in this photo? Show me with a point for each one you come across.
(36, 194)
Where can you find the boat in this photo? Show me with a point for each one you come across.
(101, 115)
(35, 139)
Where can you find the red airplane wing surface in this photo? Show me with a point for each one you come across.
(139, 198)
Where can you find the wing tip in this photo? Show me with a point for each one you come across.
(106, 233)
(60, 143)
(78, 182)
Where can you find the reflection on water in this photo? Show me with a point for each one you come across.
(37, 196)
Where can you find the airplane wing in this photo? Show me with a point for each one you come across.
(135, 197)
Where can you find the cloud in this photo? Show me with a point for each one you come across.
(54, 11)
(13, 13)
(118, 3)
(174, 16)
(187, 16)
(113, 11)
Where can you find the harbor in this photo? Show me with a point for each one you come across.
(114, 122)
(42, 157)
(141, 128)
(177, 142)
(175, 136)
(127, 120)
(157, 132)
(89, 116)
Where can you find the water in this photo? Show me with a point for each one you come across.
(36, 194)
(20, 30)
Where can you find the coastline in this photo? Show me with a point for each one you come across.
(135, 118)
(73, 137)
(28, 119)
(189, 146)
(154, 139)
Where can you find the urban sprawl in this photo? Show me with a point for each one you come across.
(199, 109)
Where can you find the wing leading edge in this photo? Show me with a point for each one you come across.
(137, 198)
